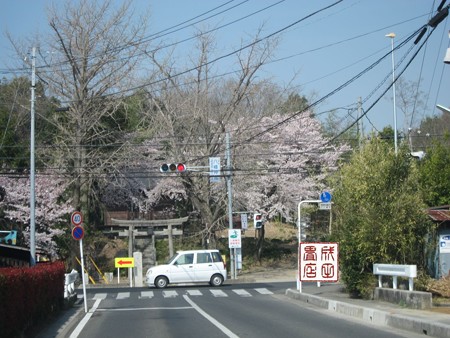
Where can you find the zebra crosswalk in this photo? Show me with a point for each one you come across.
(149, 294)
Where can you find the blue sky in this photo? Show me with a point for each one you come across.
(324, 51)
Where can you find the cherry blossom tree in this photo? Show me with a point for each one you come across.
(51, 211)
(285, 165)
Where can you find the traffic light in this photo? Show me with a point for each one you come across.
(172, 168)
(257, 221)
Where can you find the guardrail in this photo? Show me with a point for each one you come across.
(69, 284)
(395, 270)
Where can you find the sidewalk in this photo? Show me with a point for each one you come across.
(331, 296)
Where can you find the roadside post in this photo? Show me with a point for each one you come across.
(78, 233)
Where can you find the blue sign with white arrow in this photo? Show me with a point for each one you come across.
(325, 197)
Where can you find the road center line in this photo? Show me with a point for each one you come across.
(84, 321)
(221, 327)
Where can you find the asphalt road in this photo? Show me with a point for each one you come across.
(239, 310)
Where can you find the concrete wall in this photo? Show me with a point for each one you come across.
(410, 299)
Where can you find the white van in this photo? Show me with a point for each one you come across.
(193, 266)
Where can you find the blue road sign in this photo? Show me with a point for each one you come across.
(77, 233)
(325, 197)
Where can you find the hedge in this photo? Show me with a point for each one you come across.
(29, 297)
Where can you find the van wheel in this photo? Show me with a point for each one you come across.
(161, 282)
(216, 280)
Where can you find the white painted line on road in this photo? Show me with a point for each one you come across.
(84, 321)
(146, 294)
(169, 294)
(100, 296)
(146, 309)
(194, 292)
(264, 291)
(242, 293)
(213, 321)
(123, 295)
(218, 293)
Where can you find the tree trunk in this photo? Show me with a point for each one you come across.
(259, 243)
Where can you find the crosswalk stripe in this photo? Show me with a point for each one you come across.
(169, 294)
(146, 294)
(218, 293)
(242, 293)
(264, 291)
(100, 296)
(173, 293)
(123, 295)
(194, 292)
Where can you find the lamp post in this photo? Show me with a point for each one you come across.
(392, 36)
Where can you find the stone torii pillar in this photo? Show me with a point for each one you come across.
(131, 224)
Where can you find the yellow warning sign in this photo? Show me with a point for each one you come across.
(124, 262)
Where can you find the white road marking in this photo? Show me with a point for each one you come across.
(169, 294)
(123, 295)
(264, 291)
(85, 319)
(194, 292)
(218, 293)
(213, 321)
(242, 293)
(146, 294)
(100, 296)
(146, 309)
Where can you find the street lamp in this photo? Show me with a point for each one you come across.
(443, 109)
(392, 36)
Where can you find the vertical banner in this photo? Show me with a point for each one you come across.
(244, 222)
(214, 169)
(319, 262)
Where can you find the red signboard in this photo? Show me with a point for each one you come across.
(318, 262)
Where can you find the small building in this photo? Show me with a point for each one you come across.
(441, 216)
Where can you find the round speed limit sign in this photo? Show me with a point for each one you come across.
(77, 218)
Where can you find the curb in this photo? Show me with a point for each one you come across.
(373, 316)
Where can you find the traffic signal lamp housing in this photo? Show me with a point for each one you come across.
(172, 168)
(257, 221)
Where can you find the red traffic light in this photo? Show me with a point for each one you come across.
(257, 221)
(172, 168)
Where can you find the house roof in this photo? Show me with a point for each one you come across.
(439, 214)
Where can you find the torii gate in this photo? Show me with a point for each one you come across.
(131, 224)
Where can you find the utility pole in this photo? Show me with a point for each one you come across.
(230, 205)
(32, 167)
(360, 122)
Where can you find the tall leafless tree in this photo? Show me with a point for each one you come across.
(96, 50)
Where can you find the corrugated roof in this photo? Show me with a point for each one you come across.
(440, 214)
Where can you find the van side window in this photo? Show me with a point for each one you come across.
(203, 257)
(216, 257)
(185, 259)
